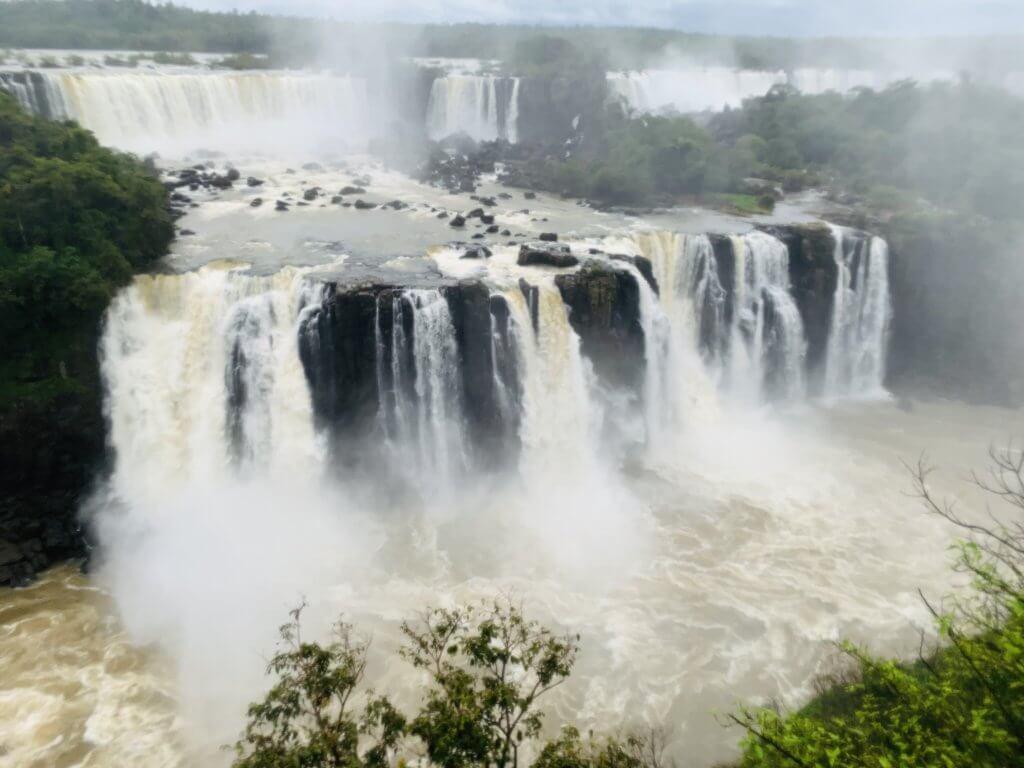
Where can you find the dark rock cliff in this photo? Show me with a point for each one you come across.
(604, 310)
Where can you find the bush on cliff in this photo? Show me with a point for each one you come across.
(76, 221)
(960, 705)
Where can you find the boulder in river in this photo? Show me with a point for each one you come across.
(457, 221)
(546, 254)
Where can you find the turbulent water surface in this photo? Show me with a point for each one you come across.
(708, 532)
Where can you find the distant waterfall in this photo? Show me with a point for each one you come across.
(692, 89)
(861, 311)
(202, 375)
(420, 390)
(485, 107)
(695, 88)
(181, 112)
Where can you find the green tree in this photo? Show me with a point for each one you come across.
(307, 719)
(488, 667)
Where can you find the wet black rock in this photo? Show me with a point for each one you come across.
(220, 182)
(492, 230)
(186, 233)
(311, 194)
(442, 215)
(643, 266)
(478, 236)
(457, 221)
(549, 237)
(486, 219)
(396, 205)
(362, 205)
(604, 310)
(252, 181)
(233, 174)
(476, 213)
(546, 254)
(256, 202)
(530, 195)
(350, 190)
(281, 206)
(336, 200)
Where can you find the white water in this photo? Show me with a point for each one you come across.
(425, 431)
(760, 354)
(766, 329)
(861, 312)
(175, 113)
(473, 104)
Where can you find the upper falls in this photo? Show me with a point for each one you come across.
(484, 107)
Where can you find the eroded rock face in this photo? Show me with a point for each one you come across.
(604, 310)
(348, 353)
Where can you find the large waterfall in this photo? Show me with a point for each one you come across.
(203, 374)
(734, 304)
(182, 111)
(485, 107)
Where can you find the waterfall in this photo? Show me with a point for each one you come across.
(202, 374)
(180, 112)
(766, 346)
(695, 89)
(691, 89)
(419, 382)
(558, 417)
(861, 311)
(484, 107)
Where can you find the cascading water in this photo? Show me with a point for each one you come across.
(181, 112)
(766, 345)
(485, 107)
(420, 390)
(861, 311)
(202, 373)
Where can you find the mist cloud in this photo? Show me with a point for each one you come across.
(759, 17)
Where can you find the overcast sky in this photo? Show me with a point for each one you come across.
(772, 17)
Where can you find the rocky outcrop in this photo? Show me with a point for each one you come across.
(51, 451)
(604, 310)
(547, 254)
(346, 348)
